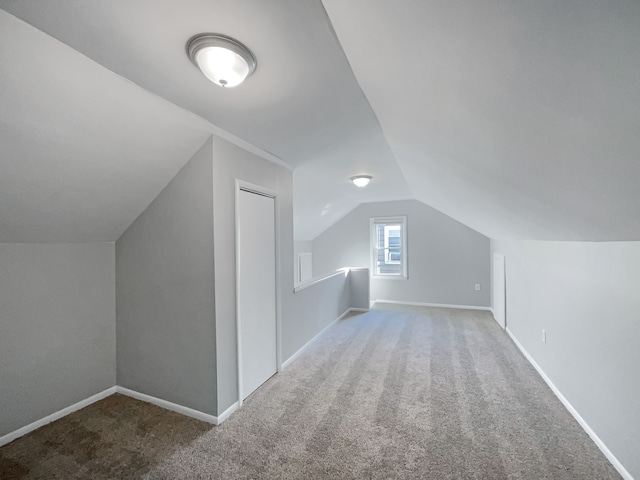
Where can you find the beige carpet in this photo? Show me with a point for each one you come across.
(394, 393)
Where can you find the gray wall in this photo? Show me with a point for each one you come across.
(312, 309)
(585, 296)
(165, 292)
(231, 163)
(359, 285)
(57, 328)
(445, 258)
(174, 341)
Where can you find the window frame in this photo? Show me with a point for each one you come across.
(374, 250)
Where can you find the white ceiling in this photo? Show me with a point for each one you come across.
(82, 151)
(302, 104)
(519, 119)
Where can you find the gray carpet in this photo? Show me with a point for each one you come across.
(398, 392)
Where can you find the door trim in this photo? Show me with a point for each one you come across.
(259, 190)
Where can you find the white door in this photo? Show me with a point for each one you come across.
(256, 255)
(499, 290)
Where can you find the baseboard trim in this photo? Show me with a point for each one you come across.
(205, 417)
(289, 360)
(493, 315)
(599, 443)
(439, 305)
(227, 413)
(10, 437)
(189, 412)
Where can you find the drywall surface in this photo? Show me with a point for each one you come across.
(585, 296)
(312, 309)
(230, 163)
(57, 324)
(445, 258)
(165, 292)
(359, 285)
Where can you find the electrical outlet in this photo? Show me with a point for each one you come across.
(544, 336)
(477, 286)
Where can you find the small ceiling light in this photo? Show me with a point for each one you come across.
(361, 180)
(223, 60)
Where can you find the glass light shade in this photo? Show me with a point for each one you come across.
(223, 60)
(361, 180)
(223, 67)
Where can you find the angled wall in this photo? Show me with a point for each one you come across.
(57, 328)
(445, 258)
(165, 292)
(584, 295)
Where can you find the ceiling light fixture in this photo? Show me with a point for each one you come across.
(361, 180)
(223, 60)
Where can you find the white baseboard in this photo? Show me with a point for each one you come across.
(10, 437)
(227, 413)
(189, 412)
(289, 360)
(439, 305)
(600, 444)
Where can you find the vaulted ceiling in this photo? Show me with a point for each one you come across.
(519, 119)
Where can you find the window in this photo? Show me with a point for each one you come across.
(389, 247)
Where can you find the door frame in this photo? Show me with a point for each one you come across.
(503, 321)
(266, 192)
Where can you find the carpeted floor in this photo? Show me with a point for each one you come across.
(398, 392)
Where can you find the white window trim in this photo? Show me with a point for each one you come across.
(402, 220)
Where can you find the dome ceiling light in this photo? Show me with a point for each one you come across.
(223, 60)
(361, 180)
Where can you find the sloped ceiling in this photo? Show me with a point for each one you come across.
(519, 119)
(82, 151)
(302, 104)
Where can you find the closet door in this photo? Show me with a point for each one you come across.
(256, 257)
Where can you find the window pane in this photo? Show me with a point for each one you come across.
(389, 262)
(394, 241)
